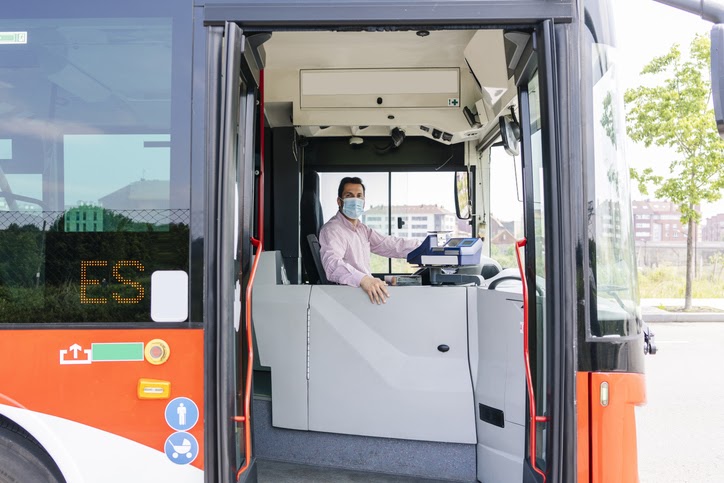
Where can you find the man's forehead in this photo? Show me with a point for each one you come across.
(353, 188)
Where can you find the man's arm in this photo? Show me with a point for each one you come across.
(391, 246)
(332, 249)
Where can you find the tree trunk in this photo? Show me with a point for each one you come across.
(689, 263)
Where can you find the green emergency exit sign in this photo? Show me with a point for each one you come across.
(117, 351)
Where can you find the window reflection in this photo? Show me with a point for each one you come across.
(92, 200)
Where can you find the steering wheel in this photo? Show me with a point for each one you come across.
(538, 289)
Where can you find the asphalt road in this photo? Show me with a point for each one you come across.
(681, 428)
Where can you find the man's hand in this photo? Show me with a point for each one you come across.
(375, 288)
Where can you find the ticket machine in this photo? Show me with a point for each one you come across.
(457, 262)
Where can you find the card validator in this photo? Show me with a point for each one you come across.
(456, 252)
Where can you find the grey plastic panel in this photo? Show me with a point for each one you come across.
(376, 370)
(496, 349)
(280, 322)
(285, 12)
(270, 270)
(500, 453)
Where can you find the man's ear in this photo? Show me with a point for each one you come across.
(339, 202)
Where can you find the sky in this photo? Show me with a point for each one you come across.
(647, 29)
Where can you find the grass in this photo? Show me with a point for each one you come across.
(670, 282)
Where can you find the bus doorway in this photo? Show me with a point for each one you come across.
(439, 369)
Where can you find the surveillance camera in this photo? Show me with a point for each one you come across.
(398, 135)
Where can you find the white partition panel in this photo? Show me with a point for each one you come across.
(377, 370)
(280, 323)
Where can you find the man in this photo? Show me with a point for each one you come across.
(345, 243)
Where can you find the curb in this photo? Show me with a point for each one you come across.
(684, 317)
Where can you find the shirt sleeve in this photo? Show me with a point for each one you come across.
(390, 246)
(332, 249)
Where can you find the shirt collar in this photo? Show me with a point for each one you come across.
(346, 222)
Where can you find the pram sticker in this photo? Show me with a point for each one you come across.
(182, 414)
(181, 448)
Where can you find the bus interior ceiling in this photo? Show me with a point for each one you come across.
(367, 83)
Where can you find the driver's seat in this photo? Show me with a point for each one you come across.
(315, 270)
(310, 222)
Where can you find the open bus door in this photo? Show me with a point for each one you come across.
(234, 78)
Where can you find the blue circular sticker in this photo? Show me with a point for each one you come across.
(182, 414)
(181, 448)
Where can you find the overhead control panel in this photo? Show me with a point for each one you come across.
(372, 88)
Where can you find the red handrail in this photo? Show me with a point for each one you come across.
(526, 354)
(259, 245)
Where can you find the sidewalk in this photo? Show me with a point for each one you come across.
(652, 313)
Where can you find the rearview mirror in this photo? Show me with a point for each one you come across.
(510, 132)
(463, 202)
(717, 75)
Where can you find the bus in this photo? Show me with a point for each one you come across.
(165, 167)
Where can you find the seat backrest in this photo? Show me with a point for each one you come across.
(490, 267)
(316, 275)
(310, 219)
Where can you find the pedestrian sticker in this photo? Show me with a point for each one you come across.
(181, 448)
(182, 414)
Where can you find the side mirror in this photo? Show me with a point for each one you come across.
(717, 75)
(463, 200)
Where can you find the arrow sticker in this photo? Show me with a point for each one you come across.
(76, 350)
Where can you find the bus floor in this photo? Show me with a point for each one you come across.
(269, 471)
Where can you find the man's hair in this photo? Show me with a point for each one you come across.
(349, 180)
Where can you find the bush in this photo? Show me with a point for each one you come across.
(670, 282)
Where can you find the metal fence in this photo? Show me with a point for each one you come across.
(112, 220)
(39, 247)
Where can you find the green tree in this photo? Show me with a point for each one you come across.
(676, 114)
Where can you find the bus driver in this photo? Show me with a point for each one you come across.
(345, 243)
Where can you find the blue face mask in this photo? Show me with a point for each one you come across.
(353, 207)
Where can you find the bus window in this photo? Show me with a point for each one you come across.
(506, 206)
(377, 196)
(408, 205)
(538, 329)
(94, 191)
(424, 202)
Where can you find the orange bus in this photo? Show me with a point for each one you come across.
(166, 166)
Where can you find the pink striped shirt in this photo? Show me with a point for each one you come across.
(345, 249)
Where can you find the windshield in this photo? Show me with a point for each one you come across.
(613, 278)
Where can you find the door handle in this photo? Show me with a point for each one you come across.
(534, 418)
